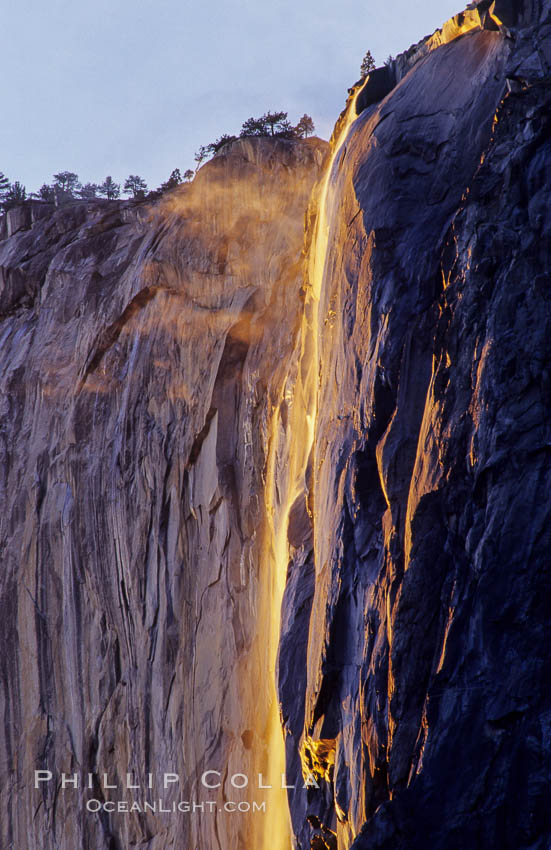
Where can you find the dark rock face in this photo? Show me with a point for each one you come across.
(380, 82)
(427, 705)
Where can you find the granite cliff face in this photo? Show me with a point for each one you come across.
(211, 419)
(142, 349)
(426, 699)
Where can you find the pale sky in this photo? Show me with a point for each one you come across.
(135, 86)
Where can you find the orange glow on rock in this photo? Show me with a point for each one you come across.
(291, 442)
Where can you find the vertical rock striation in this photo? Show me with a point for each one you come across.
(184, 410)
(418, 607)
(142, 350)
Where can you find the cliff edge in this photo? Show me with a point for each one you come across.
(425, 706)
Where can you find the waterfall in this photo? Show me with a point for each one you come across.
(291, 442)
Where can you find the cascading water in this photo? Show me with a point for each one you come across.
(291, 441)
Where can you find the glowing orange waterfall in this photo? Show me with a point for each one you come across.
(290, 446)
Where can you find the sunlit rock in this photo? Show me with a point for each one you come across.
(143, 348)
(292, 422)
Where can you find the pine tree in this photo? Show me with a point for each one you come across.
(368, 64)
(200, 156)
(66, 184)
(276, 123)
(109, 188)
(4, 185)
(46, 193)
(269, 124)
(89, 191)
(220, 143)
(174, 180)
(135, 186)
(15, 195)
(254, 127)
(305, 126)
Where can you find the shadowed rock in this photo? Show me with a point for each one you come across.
(427, 661)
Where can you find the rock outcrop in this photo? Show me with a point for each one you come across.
(197, 398)
(142, 349)
(426, 703)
